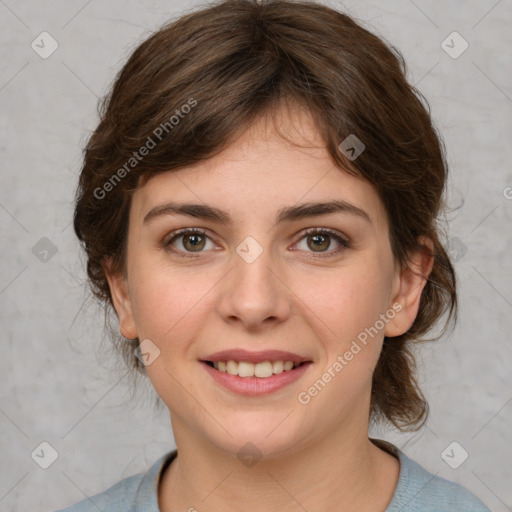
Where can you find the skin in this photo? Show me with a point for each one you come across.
(295, 296)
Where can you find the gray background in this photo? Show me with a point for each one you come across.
(60, 382)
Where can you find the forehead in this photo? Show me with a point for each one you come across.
(279, 161)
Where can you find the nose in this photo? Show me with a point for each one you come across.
(254, 294)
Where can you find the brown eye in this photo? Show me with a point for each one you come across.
(321, 241)
(194, 242)
(189, 241)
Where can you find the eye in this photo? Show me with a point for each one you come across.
(319, 240)
(186, 242)
(189, 241)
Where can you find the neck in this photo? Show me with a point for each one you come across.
(348, 470)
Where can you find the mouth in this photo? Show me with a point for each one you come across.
(258, 377)
(253, 373)
(261, 370)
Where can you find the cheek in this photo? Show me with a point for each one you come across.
(166, 300)
(346, 308)
(346, 301)
(169, 307)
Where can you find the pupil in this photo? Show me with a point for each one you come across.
(195, 241)
(320, 238)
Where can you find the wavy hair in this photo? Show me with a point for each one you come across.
(239, 59)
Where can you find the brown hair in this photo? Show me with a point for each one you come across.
(202, 79)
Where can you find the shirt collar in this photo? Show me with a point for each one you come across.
(146, 499)
(411, 481)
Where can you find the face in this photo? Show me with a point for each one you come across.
(253, 269)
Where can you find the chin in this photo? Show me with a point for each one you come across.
(269, 437)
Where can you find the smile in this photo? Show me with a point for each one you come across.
(247, 369)
(258, 379)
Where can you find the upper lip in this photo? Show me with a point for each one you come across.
(255, 357)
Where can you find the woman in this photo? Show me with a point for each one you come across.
(258, 204)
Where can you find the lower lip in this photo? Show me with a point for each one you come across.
(253, 386)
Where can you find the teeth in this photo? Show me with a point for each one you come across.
(261, 370)
(277, 367)
(246, 369)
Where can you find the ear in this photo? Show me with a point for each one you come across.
(408, 285)
(121, 299)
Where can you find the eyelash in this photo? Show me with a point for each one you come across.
(344, 244)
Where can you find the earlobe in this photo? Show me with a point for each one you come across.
(410, 282)
(122, 300)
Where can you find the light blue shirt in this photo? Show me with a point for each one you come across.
(417, 490)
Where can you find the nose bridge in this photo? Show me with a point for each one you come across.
(254, 292)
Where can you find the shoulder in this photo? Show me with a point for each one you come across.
(438, 494)
(118, 497)
(418, 490)
(136, 493)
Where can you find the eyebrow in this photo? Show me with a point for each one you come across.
(290, 213)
